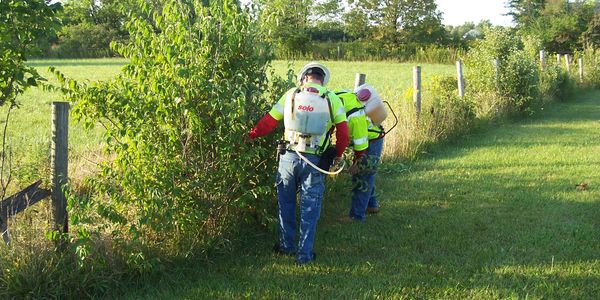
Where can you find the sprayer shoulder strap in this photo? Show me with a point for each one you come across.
(330, 131)
(326, 96)
(350, 112)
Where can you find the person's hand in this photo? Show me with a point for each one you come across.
(353, 170)
(338, 163)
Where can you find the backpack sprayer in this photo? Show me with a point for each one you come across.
(375, 108)
(306, 116)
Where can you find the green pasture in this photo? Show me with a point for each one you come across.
(497, 215)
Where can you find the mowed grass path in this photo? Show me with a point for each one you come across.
(497, 215)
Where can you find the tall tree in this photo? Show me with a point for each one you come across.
(402, 22)
(561, 25)
(525, 12)
(286, 23)
(357, 20)
(90, 26)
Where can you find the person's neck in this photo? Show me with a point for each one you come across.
(313, 81)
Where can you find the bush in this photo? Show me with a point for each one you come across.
(445, 114)
(591, 68)
(480, 72)
(519, 80)
(514, 80)
(181, 179)
(556, 83)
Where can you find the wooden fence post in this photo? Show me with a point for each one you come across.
(359, 80)
(59, 160)
(542, 60)
(580, 63)
(461, 79)
(568, 63)
(558, 59)
(417, 89)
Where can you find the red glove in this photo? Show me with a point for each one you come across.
(263, 127)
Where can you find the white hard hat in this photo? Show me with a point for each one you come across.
(310, 67)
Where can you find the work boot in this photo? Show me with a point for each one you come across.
(346, 219)
(277, 249)
(372, 210)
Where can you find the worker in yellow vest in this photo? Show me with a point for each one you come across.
(310, 113)
(363, 192)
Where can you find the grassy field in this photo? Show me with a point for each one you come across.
(29, 130)
(498, 216)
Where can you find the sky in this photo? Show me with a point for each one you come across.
(457, 12)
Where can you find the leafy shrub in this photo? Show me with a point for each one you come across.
(196, 81)
(556, 83)
(22, 25)
(514, 79)
(532, 45)
(591, 68)
(518, 82)
(480, 72)
(445, 114)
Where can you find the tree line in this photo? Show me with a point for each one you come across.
(350, 29)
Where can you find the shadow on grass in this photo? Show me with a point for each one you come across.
(464, 230)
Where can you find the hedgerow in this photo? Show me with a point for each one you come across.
(180, 179)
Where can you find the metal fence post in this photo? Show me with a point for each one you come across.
(496, 63)
(359, 80)
(568, 63)
(417, 89)
(542, 60)
(580, 63)
(461, 79)
(59, 160)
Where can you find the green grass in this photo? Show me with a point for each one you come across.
(29, 130)
(497, 216)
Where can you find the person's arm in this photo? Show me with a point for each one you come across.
(263, 127)
(342, 134)
(342, 138)
(269, 121)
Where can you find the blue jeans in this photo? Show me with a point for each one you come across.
(296, 175)
(363, 190)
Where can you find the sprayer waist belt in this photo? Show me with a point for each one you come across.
(307, 149)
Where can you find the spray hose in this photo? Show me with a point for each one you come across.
(319, 169)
